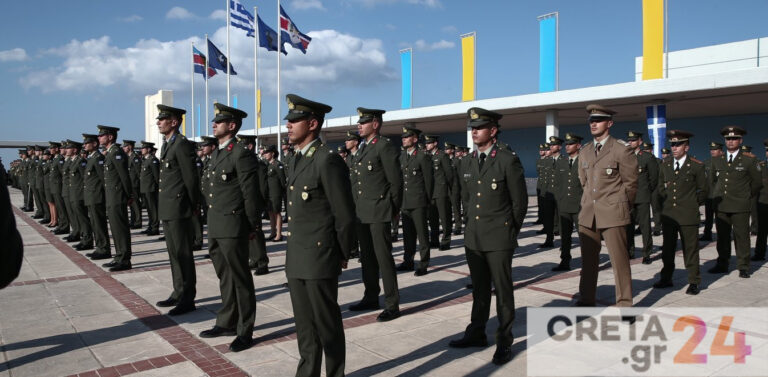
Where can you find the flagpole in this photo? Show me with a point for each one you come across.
(192, 105)
(279, 35)
(206, 88)
(228, 56)
(256, 75)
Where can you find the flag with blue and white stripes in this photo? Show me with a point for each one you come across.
(240, 18)
(657, 127)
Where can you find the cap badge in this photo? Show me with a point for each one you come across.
(473, 114)
(405, 130)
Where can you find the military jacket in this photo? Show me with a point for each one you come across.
(443, 174)
(117, 184)
(498, 201)
(551, 171)
(235, 200)
(568, 189)
(75, 172)
(32, 172)
(40, 169)
(683, 191)
(545, 174)
(710, 181)
(417, 179)
(735, 183)
(647, 176)
(379, 181)
(65, 177)
(275, 180)
(56, 168)
(462, 171)
(322, 216)
(179, 182)
(150, 174)
(134, 171)
(205, 178)
(609, 181)
(763, 197)
(93, 180)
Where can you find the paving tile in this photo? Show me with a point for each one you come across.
(131, 351)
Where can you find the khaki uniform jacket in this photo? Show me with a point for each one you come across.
(498, 201)
(76, 173)
(179, 192)
(417, 179)
(568, 189)
(322, 227)
(150, 174)
(235, 201)
(443, 174)
(736, 184)
(609, 181)
(683, 191)
(647, 176)
(117, 185)
(93, 182)
(379, 181)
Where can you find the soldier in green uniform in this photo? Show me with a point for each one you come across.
(736, 179)
(40, 197)
(417, 194)
(440, 207)
(647, 179)
(753, 211)
(47, 172)
(665, 152)
(93, 197)
(148, 186)
(455, 193)
(257, 245)
(117, 191)
(179, 193)
(208, 144)
(321, 237)
(656, 202)
(762, 211)
(379, 193)
(715, 150)
(77, 174)
(497, 206)
(24, 180)
(568, 194)
(235, 204)
(66, 154)
(684, 187)
(134, 172)
(287, 155)
(276, 190)
(56, 182)
(197, 213)
(351, 144)
(541, 184)
(550, 212)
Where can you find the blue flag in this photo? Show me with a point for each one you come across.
(290, 34)
(217, 60)
(199, 60)
(268, 37)
(657, 127)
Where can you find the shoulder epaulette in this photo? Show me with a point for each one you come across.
(622, 142)
(696, 161)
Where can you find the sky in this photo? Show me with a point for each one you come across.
(67, 66)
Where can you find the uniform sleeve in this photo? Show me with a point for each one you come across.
(247, 174)
(122, 171)
(628, 171)
(702, 188)
(429, 177)
(515, 176)
(263, 173)
(754, 174)
(448, 169)
(186, 158)
(334, 176)
(281, 175)
(660, 179)
(390, 160)
(99, 163)
(155, 167)
(653, 172)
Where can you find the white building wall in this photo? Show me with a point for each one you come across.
(151, 134)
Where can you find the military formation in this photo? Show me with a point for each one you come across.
(351, 201)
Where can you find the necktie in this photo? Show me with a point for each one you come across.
(165, 145)
(598, 148)
(677, 165)
(482, 159)
(730, 159)
(570, 162)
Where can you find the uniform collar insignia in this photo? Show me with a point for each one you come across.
(493, 152)
(230, 146)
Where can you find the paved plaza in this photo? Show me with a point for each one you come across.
(66, 315)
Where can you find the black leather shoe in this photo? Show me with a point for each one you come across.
(44, 220)
(468, 342)
(638, 230)
(693, 289)
(662, 284)
(364, 305)
(445, 247)
(557, 233)
(161, 238)
(541, 231)
(647, 260)
(758, 258)
(197, 246)
(181, 309)
(109, 264)
(502, 355)
(153, 233)
(136, 226)
(706, 237)
(388, 315)
(262, 270)
(582, 304)
(81, 247)
(100, 256)
(421, 272)
(74, 239)
(217, 331)
(547, 244)
(718, 270)
(469, 286)
(456, 232)
(404, 267)
(60, 231)
(744, 274)
(145, 231)
(167, 303)
(656, 233)
(240, 343)
(562, 267)
(121, 267)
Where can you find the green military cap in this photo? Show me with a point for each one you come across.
(713, 145)
(430, 139)
(746, 148)
(272, 148)
(665, 150)
(107, 130)
(544, 147)
(367, 115)
(224, 112)
(339, 149)
(410, 131)
(30, 147)
(647, 145)
(247, 139)
(146, 144)
(733, 131)
(38, 148)
(54, 144)
(74, 144)
(170, 112)
(300, 108)
(554, 140)
(449, 145)
(47, 152)
(208, 140)
(572, 138)
(678, 136)
(87, 138)
(22, 151)
(466, 149)
(634, 135)
(129, 142)
(479, 117)
(596, 111)
(352, 135)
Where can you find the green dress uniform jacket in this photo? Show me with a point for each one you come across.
(734, 184)
(647, 176)
(93, 194)
(150, 174)
(379, 181)
(76, 173)
(134, 174)
(417, 189)
(568, 188)
(443, 174)
(276, 185)
(117, 191)
(179, 182)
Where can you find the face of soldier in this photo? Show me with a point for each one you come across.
(351, 145)
(105, 139)
(365, 130)
(483, 136)
(635, 144)
(715, 152)
(207, 150)
(127, 149)
(732, 143)
(223, 128)
(409, 141)
(598, 127)
(431, 146)
(679, 150)
(300, 132)
(572, 149)
(54, 151)
(554, 150)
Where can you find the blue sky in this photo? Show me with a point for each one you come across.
(67, 66)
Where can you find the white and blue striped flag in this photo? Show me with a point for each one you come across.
(657, 127)
(240, 18)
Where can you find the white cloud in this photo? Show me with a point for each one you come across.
(13, 55)
(307, 4)
(333, 60)
(426, 3)
(179, 13)
(131, 18)
(422, 45)
(218, 14)
(449, 29)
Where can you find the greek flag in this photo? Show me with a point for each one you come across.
(240, 18)
(657, 127)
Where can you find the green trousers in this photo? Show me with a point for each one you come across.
(486, 267)
(376, 257)
(178, 240)
(84, 223)
(238, 300)
(415, 226)
(117, 214)
(739, 224)
(689, 235)
(440, 218)
(98, 215)
(641, 215)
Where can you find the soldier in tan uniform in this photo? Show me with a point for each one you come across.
(608, 174)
